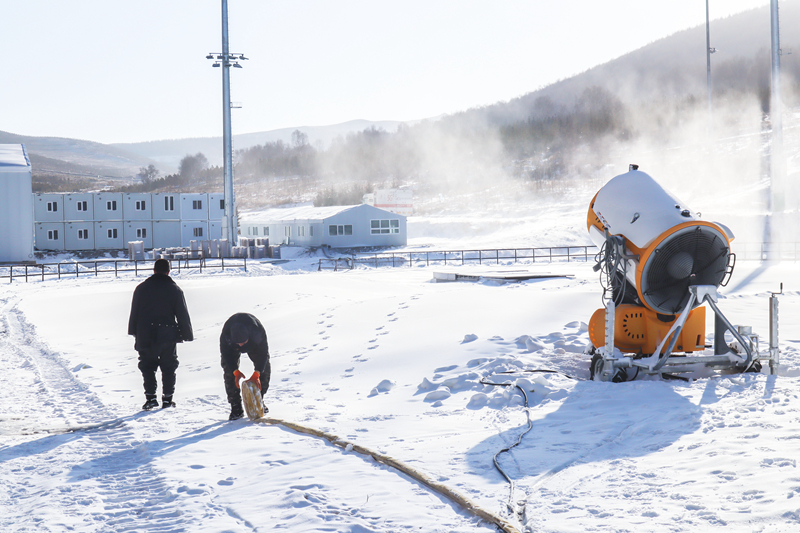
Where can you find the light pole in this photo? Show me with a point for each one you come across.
(226, 60)
(777, 184)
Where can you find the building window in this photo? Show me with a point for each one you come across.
(82, 205)
(287, 231)
(222, 204)
(111, 205)
(378, 227)
(341, 229)
(266, 231)
(83, 234)
(169, 203)
(52, 206)
(198, 232)
(311, 231)
(52, 234)
(112, 233)
(301, 231)
(197, 204)
(140, 205)
(141, 233)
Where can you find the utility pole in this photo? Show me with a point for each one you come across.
(777, 164)
(226, 60)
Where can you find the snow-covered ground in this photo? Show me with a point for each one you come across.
(390, 360)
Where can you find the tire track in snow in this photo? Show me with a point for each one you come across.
(59, 468)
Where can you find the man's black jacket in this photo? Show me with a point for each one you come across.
(256, 348)
(158, 313)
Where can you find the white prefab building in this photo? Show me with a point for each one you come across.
(48, 207)
(216, 206)
(215, 230)
(49, 235)
(194, 206)
(138, 230)
(137, 206)
(352, 226)
(166, 233)
(78, 206)
(166, 206)
(78, 235)
(108, 235)
(109, 221)
(400, 201)
(16, 207)
(108, 206)
(193, 230)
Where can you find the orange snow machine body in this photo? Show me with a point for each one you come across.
(639, 330)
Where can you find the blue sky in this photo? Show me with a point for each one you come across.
(135, 70)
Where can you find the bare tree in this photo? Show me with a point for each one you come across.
(192, 165)
(299, 139)
(148, 173)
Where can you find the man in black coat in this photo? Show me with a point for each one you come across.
(243, 333)
(159, 320)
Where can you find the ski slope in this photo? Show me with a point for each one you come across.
(390, 360)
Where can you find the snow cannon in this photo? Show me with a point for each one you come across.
(660, 262)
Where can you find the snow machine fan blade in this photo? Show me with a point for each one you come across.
(251, 398)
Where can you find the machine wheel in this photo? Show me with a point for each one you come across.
(755, 367)
(596, 367)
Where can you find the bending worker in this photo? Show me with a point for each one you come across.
(243, 333)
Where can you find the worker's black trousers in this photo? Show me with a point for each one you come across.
(164, 356)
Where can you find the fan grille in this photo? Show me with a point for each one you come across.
(697, 255)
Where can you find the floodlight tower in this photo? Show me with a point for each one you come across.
(777, 184)
(226, 60)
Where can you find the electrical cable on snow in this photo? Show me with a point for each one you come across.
(513, 506)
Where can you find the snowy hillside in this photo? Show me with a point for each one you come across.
(392, 361)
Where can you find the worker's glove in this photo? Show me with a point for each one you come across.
(256, 378)
(237, 376)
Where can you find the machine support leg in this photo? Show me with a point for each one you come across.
(774, 347)
(745, 344)
(607, 373)
(720, 346)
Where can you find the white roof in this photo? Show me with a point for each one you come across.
(13, 158)
(305, 213)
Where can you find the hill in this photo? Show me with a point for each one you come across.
(57, 156)
(675, 67)
(170, 152)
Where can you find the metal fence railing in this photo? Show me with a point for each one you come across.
(462, 257)
(766, 251)
(74, 269)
